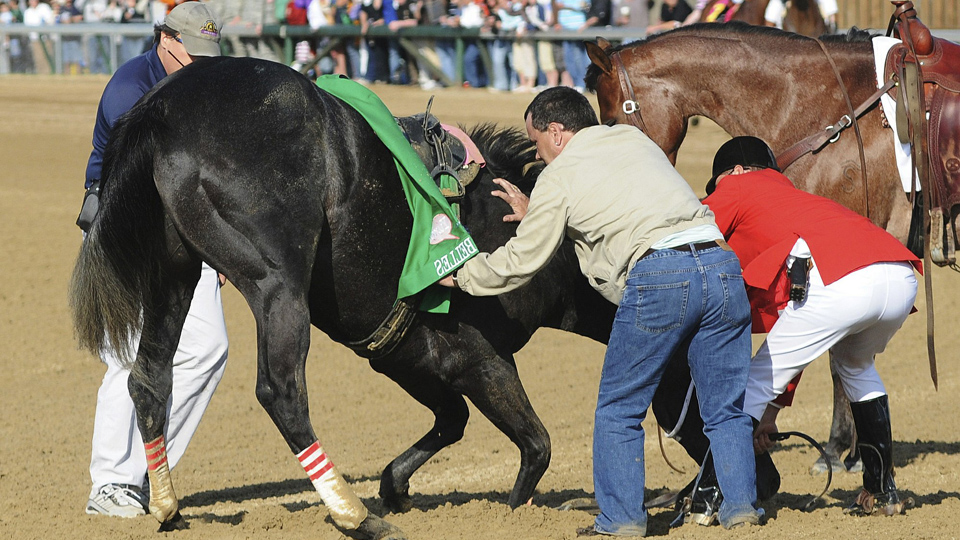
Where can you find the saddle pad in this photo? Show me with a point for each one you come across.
(881, 46)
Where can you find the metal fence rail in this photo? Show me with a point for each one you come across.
(284, 38)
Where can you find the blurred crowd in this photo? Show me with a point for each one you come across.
(518, 63)
(510, 59)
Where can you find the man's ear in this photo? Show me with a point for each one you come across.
(556, 132)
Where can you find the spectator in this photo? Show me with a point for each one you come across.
(319, 14)
(133, 11)
(672, 15)
(39, 14)
(524, 49)
(572, 15)
(348, 52)
(776, 10)
(406, 17)
(371, 14)
(504, 20)
(98, 46)
(13, 45)
(463, 14)
(540, 14)
(72, 48)
(633, 14)
(428, 12)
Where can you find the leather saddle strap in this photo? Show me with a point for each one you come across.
(920, 157)
(626, 90)
(820, 138)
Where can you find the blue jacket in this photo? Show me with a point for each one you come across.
(131, 81)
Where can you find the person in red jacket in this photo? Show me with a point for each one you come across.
(819, 277)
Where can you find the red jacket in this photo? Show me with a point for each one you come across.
(761, 214)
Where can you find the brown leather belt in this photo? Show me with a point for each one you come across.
(690, 247)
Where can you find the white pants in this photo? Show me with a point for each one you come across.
(855, 317)
(118, 456)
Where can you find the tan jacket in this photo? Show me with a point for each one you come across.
(614, 193)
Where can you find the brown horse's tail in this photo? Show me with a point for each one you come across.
(118, 267)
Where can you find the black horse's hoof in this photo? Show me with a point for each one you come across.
(176, 523)
(397, 504)
(376, 528)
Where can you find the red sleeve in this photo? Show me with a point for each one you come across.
(786, 398)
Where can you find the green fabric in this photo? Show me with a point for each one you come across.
(439, 244)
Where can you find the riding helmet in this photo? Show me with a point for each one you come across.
(743, 151)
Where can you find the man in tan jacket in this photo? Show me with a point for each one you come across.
(646, 243)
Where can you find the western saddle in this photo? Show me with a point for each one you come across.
(927, 70)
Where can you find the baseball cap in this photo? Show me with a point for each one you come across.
(199, 28)
(744, 151)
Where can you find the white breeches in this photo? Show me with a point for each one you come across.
(855, 317)
(118, 455)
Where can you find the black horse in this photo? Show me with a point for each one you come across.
(284, 189)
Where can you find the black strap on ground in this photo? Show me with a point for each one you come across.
(784, 435)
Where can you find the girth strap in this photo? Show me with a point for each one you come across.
(389, 333)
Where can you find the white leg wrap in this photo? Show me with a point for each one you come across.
(344, 505)
(163, 500)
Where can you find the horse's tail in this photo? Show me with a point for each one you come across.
(119, 263)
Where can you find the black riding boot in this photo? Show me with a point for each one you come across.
(875, 442)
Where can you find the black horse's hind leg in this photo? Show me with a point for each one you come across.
(450, 412)
(494, 387)
(151, 382)
(283, 332)
(842, 433)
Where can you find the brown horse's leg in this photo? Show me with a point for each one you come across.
(842, 434)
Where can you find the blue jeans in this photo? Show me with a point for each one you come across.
(673, 298)
(501, 52)
(577, 61)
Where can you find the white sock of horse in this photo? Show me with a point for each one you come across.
(344, 505)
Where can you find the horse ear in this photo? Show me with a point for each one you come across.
(604, 44)
(599, 56)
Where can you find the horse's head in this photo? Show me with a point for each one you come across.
(604, 79)
(619, 77)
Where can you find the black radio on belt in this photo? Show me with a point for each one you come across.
(798, 279)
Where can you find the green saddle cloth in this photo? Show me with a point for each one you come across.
(439, 244)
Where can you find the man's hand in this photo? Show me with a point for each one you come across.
(514, 197)
(447, 281)
(767, 426)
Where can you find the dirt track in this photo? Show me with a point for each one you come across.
(239, 480)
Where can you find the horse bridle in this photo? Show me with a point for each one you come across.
(630, 106)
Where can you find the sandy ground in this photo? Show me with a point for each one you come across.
(239, 480)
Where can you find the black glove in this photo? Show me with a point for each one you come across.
(90, 207)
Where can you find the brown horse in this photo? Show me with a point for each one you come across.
(802, 16)
(774, 85)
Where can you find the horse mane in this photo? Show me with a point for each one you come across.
(508, 152)
(732, 28)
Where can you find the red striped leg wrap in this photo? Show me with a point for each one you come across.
(344, 505)
(163, 500)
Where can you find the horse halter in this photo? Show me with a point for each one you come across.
(630, 105)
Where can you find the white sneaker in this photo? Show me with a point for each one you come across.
(118, 500)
